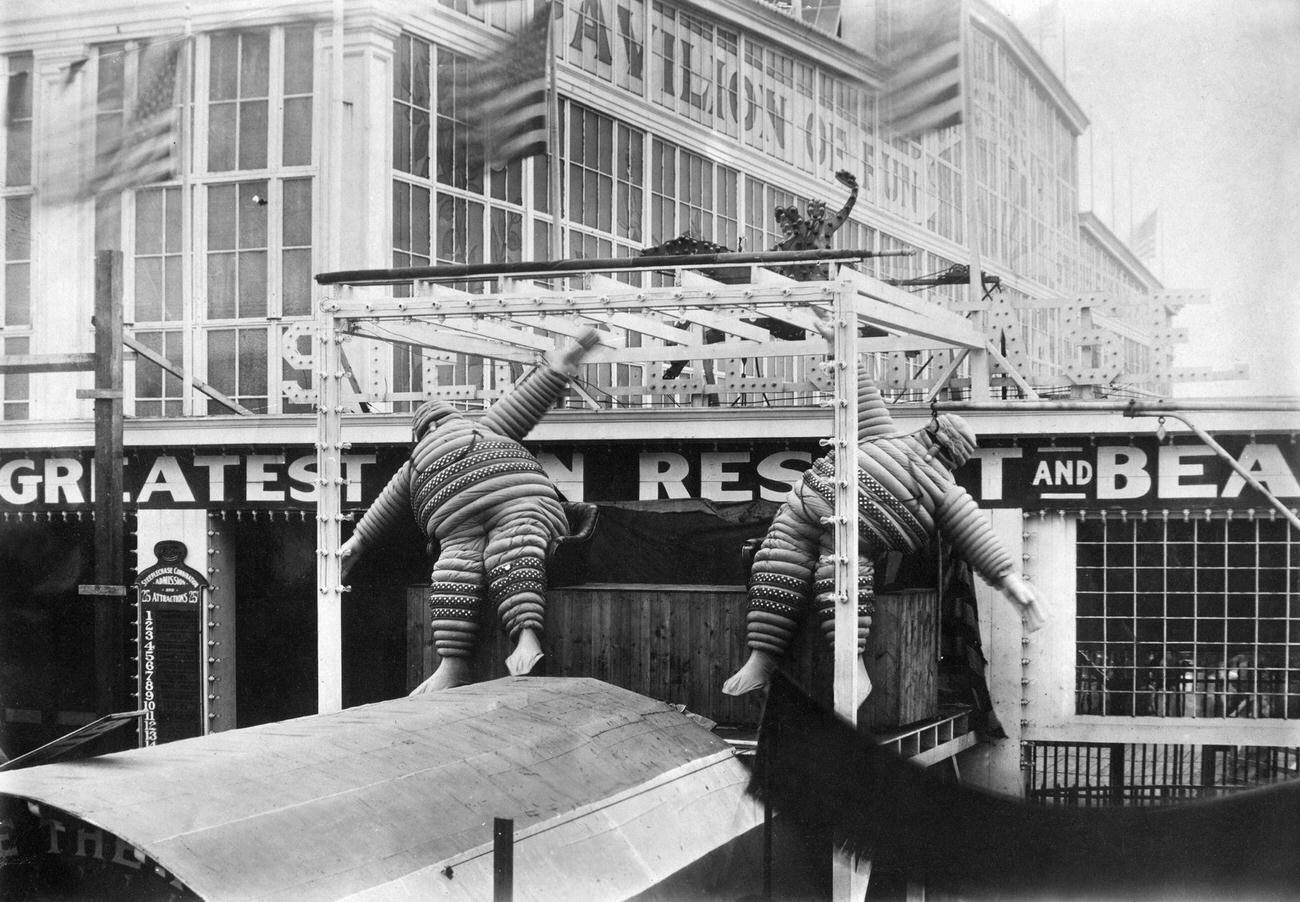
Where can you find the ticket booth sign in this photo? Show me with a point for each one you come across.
(170, 602)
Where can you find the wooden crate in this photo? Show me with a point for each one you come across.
(680, 643)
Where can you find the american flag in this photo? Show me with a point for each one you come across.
(506, 98)
(148, 147)
(923, 90)
(1143, 240)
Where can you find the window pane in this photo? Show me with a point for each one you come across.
(475, 233)
(148, 375)
(296, 288)
(420, 74)
(252, 362)
(18, 302)
(252, 214)
(221, 137)
(401, 137)
(18, 163)
(173, 292)
(17, 386)
(297, 212)
(148, 222)
(401, 215)
(148, 288)
(254, 64)
(420, 221)
(222, 200)
(223, 76)
(252, 283)
(18, 228)
(110, 90)
(298, 61)
(221, 286)
(173, 221)
(221, 360)
(252, 134)
(297, 131)
(420, 144)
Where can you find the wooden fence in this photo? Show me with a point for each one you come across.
(679, 644)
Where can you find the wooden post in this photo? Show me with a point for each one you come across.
(110, 561)
(503, 859)
(1117, 773)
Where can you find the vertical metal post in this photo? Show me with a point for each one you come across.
(978, 357)
(329, 479)
(503, 859)
(847, 881)
(845, 441)
(110, 563)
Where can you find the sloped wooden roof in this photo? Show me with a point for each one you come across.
(610, 793)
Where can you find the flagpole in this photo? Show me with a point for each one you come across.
(553, 135)
(979, 360)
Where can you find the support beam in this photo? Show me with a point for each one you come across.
(329, 515)
(110, 558)
(153, 356)
(12, 364)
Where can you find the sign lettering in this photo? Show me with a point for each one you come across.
(1031, 473)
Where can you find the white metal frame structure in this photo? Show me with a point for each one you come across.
(518, 321)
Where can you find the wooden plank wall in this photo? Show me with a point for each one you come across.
(679, 644)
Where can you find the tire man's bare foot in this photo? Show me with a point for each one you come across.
(452, 672)
(756, 674)
(528, 651)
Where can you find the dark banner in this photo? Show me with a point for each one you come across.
(1024, 472)
(1073, 472)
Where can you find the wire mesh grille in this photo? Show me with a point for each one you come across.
(1188, 618)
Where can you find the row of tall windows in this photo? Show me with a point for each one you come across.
(218, 311)
(16, 225)
(1025, 166)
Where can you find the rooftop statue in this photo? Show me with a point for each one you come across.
(492, 511)
(906, 494)
(814, 231)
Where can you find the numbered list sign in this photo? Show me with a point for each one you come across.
(170, 600)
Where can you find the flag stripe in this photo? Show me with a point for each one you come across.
(506, 101)
(1143, 240)
(148, 148)
(923, 92)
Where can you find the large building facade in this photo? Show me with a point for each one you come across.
(329, 136)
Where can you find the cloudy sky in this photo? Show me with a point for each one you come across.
(1198, 104)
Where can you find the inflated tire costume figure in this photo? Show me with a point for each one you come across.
(486, 503)
(906, 494)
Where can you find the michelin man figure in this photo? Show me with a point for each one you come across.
(906, 494)
(484, 501)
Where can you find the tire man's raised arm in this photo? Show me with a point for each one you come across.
(485, 502)
(906, 494)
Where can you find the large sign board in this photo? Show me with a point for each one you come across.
(1031, 472)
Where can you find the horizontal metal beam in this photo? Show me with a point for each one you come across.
(632, 299)
(542, 268)
(1131, 408)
